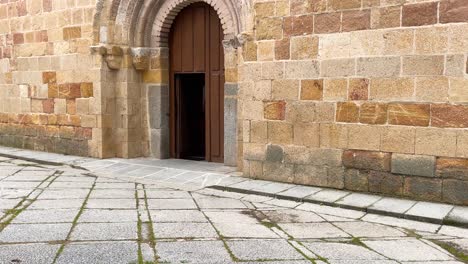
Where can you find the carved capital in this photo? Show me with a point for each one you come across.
(113, 55)
(141, 58)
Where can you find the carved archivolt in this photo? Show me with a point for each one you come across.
(146, 23)
(138, 26)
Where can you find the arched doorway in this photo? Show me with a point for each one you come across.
(197, 84)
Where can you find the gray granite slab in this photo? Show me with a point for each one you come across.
(230, 180)
(327, 195)
(407, 250)
(177, 216)
(459, 214)
(299, 191)
(171, 204)
(323, 209)
(392, 205)
(243, 217)
(343, 251)
(108, 216)
(34, 232)
(64, 194)
(249, 184)
(312, 230)
(429, 210)
(104, 231)
(9, 203)
(211, 202)
(243, 230)
(184, 230)
(273, 187)
(364, 229)
(56, 204)
(359, 200)
(28, 253)
(292, 216)
(263, 249)
(115, 185)
(99, 253)
(209, 252)
(111, 204)
(112, 194)
(167, 194)
(46, 216)
(404, 223)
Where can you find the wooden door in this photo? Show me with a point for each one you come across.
(196, 48)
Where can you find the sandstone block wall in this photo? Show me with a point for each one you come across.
(366, 95)
(49, 81)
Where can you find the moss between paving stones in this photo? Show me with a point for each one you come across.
(75, 222)
(453, 249)
(152, 237)
(11, 214)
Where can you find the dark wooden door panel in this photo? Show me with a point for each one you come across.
(196, 47)
(199, 43)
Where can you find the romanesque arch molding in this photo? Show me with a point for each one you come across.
(146, 23)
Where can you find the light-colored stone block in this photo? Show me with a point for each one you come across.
(307, 134)
(364, 137)
(435, 141)
(398, 139)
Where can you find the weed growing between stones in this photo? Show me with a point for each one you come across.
(453, 249)
(152, 237)
(75, 221)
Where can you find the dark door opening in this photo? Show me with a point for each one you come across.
(190, 104)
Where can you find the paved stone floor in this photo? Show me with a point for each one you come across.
(61, 214)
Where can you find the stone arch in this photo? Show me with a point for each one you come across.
(132, 37)
(146, 23)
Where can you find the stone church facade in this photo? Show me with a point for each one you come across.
(364, 95)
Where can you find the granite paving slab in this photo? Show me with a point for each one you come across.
(407, 250)
(209, 252)
(360, 229)
(389, 205)
(292, 216)
(343, 251)
(177, 216)
(34, 232)
(28, 253)
(108, 216)
(173, 204)
(312, 230)
(46, 216)
(104, 231)
(429, 211)
(111, 204)
(56, 204)
(458, 215)
(99, 253)
(243, 230)
(298, 192)
(184, 230)
(263, 249)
